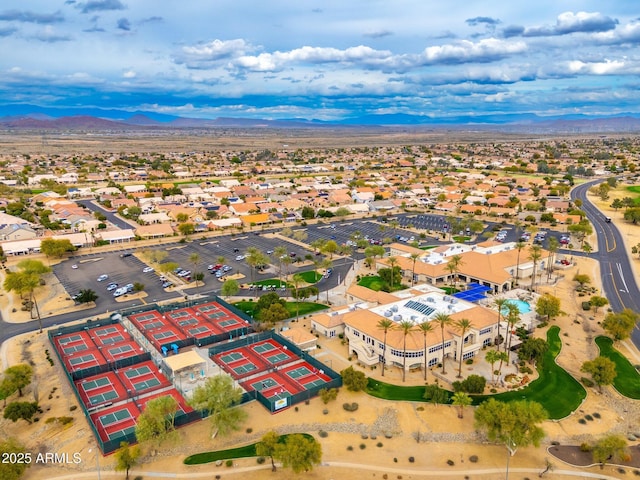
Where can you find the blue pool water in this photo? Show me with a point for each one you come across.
(523, 306)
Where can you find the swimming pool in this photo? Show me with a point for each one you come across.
(523, 306)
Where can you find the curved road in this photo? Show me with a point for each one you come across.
(618, 279)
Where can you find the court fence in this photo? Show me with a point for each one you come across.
(276, 403)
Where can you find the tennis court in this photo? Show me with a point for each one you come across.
(164, 335)
(244, 369)
(152, 325)
(277, 357)
(299, 372)
(179, 314)
(146, 384)
(199, 330)
(111, 340)
(76, 337)
(263, 347)
(120, 350)
(122, 433)
(80, 362)
(102, 388)
(264, 384)
(188, 321)
(75, 349)
(104, 332)
(214, 315)
(227, 323)
(115, 417)
(145, 317)
(137, 372)
(206, 308)
(231, 357)
(97, 383)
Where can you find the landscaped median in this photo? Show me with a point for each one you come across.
(627, 381)
(557, 391)
(231, 453)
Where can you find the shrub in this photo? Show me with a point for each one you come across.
(596, 415)
(473, 458)
(411, 459)
(451, 463)
(350, 407)
(364, 436)
(325, 412)
(229, 463)
(249, 430)
(260, 460)
(585, 447)
(586, 306)
(350, 448)
(363, 446)
(323, 434)
(469, 361)
(379, 445)
(589, 417)
(73, 408)
(582, 421)
(587, 382)
(395, 460)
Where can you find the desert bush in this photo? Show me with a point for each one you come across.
(260, 460)
(585, 447)
(229, 463)
(323, 434)
(350, 407)
(363, 446)
(473, 458)
(451, 463)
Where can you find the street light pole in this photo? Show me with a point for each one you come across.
(97, 460)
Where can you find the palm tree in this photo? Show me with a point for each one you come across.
(552, 247)
(443, 320)
(194, 258)
(414, 256)
(461, 399)
(454, 263)
(513, 317)
(405, 326)
(393, 262)
(535, 254)
(425, 327)
(519, 247)
(384, 324)
(297, 280)
(280, 253)
(464, 325)
(492, 356)
(500, 303)
(327, 264)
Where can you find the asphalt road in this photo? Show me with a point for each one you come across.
(618, 280)
(111, 216)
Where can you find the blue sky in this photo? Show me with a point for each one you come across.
(323, 59)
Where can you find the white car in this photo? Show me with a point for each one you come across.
(103, 277)
(240, 257)
(74, 266)
(147, 270)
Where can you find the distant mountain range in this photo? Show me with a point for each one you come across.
(30, 117)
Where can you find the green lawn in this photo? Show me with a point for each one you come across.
(557, 391)
(372, 282)
(304, 308)
(239, 452)
(310, 276)
(627, 381)
(376, 283)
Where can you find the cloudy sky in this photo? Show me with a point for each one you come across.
(323, 59)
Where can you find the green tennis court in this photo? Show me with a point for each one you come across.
(115, 417)
(103, 397)
(246, 368)
(299, 372)
(81, 360)
(152, 325)
(179, 314)
(105, 331)
(97, 383)
(74, 349)
(228, 323)
(197, 330)
(206, 308)
(122, 433)
(163, 335)
(144, 318)
(315, 383)
(211, 316)
(263, 347)
(112, 340)
(264, 384)
(231, 357)
(72, 338)
(136, 372)
(121, 349)
(277, 357)
(143, 385)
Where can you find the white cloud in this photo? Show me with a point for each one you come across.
(486, 50)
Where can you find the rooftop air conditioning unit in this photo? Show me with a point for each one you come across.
(454, 300)
(445, 298)
(394, 308)
(450, 307)
(388, 313)
(431, 300)
(397, 318)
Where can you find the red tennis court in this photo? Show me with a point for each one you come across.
(100, 389)
(109, 334)
(118, 351)
(191, 323)
(272, 384)
(305, 375)
(73, 343)
(116, 421)
(84, 359)
(142, 377)
(272, 352)
(220, 317)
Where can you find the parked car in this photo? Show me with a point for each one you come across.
(240, 257)
(167, 284)
(147, 270)
(126, 254)
(112, 286)
(102, 277)
(74, 266)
